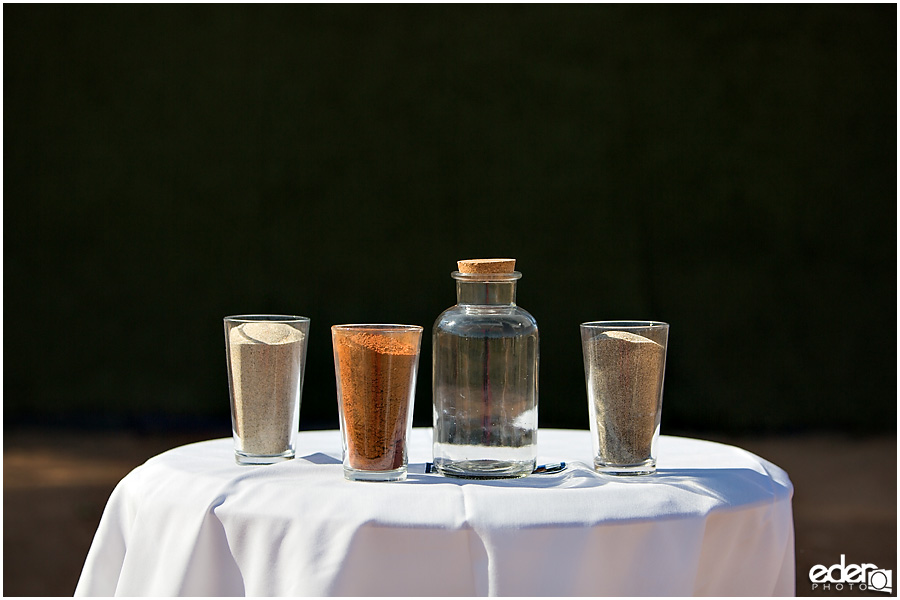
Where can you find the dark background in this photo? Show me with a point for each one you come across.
(728, 169)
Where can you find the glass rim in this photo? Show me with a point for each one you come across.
(623, 324)
(510, 276)
(264, 318)
(384, 327)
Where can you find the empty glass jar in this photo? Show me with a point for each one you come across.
(485, 377)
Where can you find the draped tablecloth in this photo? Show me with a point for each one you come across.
(714, 520)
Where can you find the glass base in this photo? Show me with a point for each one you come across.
(358, 475)
(647, 467)
(483, 469)
(243, 458)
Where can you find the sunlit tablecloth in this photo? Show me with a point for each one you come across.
(715, 520)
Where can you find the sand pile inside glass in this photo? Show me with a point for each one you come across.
(376, 379)
(266, 367)
(625, 384)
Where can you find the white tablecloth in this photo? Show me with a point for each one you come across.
(715, 520)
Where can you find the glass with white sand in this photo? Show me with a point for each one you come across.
(624, 369)
(266, 357)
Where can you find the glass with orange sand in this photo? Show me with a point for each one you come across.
(375, 366)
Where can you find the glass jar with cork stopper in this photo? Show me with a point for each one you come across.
(485, 376)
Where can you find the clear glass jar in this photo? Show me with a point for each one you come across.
(485, 381)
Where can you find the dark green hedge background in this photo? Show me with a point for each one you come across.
(728, 169)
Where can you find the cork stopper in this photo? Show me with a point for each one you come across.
(487, 265)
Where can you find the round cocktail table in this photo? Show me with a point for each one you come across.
(714, 520)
